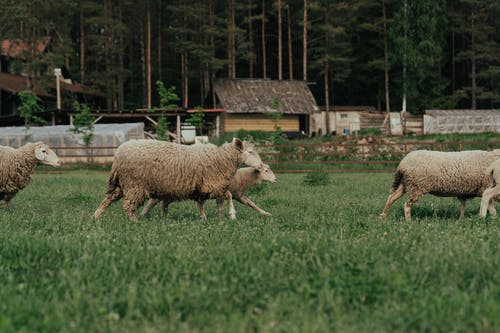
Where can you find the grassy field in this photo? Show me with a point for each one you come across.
(323, 263)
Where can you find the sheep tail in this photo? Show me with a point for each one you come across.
(398, 176)
(113, 182)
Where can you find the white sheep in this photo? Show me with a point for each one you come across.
(493, 191)
(242, 180)
(18, 165)
(156, 169)
(445, 174)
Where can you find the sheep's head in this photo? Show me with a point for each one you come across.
(46, 156)
(266, 174)
(248, 155)
(496, 152)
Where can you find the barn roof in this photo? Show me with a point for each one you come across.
(16, 83)
(15, 48)
(257, 96)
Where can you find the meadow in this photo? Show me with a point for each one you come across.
(323, 263)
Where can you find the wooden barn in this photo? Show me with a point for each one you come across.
(250, 103)
(12, 83)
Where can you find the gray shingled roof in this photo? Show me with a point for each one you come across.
(256, 96)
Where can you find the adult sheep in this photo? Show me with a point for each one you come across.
(156, 169)
(446, 174)
(243, 179)
(493, 191)
(18, 165)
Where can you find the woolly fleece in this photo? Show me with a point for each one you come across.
(446, 174)
(157, 169)
(18, 165)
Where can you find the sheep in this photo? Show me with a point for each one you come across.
(493, 191)
(18, 165)
(445, 174)
(243, 179)
(156, 169)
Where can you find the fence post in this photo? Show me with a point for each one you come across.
(300, 153)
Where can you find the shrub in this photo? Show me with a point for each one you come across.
(316, 178)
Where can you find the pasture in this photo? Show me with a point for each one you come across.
(322, 263)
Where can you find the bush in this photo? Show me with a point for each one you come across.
(316, 178)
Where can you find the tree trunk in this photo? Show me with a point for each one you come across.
(473, 61)
(212, 50)
(160, 22)
(264, 63)
(148, 18)
(231, 48)
(250, 40)
(453, 64)
(185, 70)
(185, 80)
(143, 65)
(121, 93)
(386, 66)
(327, 97)
(304, 44)
(290, 53)
(82, 47)
(280, 47)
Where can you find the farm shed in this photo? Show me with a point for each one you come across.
(461, 121)
(69, 146)
(347, 119)
(249, 104)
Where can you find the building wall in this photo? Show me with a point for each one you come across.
(259, 122)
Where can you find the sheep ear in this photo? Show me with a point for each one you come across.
(39, 154)
(238, 144)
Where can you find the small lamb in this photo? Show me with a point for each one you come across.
(444, 174)
(493, 191)
(18, 165)
(243, 179)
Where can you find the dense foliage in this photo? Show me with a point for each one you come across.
(322, 263)
(431, 53)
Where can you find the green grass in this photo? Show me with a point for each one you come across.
(323, 263)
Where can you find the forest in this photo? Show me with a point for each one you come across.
(390, 54)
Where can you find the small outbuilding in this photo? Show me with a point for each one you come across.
(249, 104)
(461, 121)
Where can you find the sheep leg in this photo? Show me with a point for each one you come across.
(108, 200)
(164, 207)
(390, 200)
(491, 208)
(486, 200)
(132, 201)
(462, 207)
(7, 198)
(230, 204)
(149, 205)
(201, 207)
(245, 200)
(220, 206)
(412, 199)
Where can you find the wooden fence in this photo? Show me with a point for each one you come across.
(302, 158)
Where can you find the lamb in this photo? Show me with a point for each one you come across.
(493, 191)
(242, 180)
(156, 169)
(18, 165)
(446, 174)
